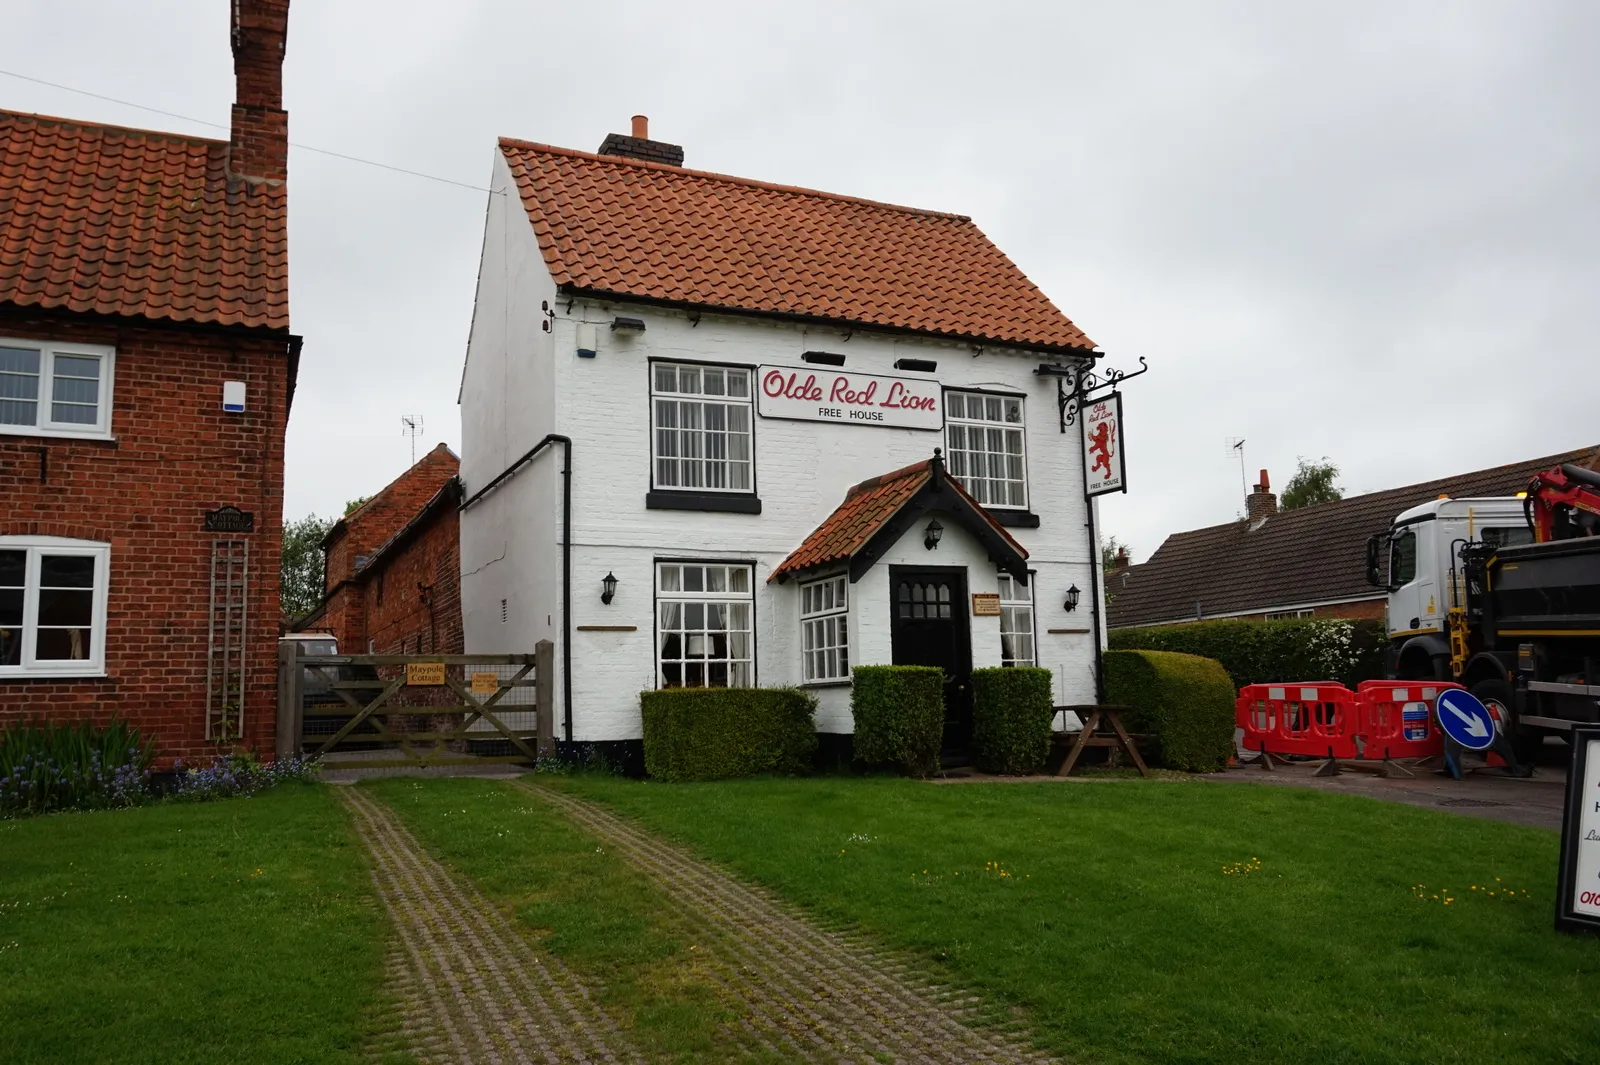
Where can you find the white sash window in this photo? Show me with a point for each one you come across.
(52, 606)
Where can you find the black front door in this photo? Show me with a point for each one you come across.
(929, 628)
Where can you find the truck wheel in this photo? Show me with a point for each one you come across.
(1496, 694)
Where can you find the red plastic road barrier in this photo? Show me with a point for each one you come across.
(1397, 718)
(1315, 718)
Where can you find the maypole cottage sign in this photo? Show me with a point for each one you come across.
(848, 398)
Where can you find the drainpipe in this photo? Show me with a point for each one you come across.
(566, 557)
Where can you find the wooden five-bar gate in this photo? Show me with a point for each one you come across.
(376, 711)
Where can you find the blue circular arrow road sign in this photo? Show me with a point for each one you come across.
(1465, 719)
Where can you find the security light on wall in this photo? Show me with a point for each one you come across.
(932, 534)
(1072, 599)
(608, 587)
(627, 325)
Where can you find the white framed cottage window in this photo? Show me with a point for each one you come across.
(55, 389)
(53, 606)
(824, 629)
(984, 439)
(701, 428)
(1016, 622)
(705, 622)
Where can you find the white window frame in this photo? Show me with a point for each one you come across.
(1290, 615)
(684, 598)
(957, 457)
(43, 425)
(747, 401)
(1017, 603)
(35, 547)
(825, 630)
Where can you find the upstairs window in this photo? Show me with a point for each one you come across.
(52, 606)
(54, 389)
(824, 629)
(1016, 623)
(983, 435)
(701, 428)
(705, 625)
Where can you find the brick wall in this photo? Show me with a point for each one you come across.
(413, 592)
(175, 455)
(371, 525)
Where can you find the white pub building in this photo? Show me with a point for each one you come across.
(718, 431)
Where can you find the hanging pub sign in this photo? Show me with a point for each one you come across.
(230, 519)
(848, 398)
(1578, 889)
(1102, 446)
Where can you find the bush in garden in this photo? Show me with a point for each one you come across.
(72, 766)
(239, 774)
(899, 716)
(718, 733)
(1011, 715)
(1184, 702)
(1255, 652)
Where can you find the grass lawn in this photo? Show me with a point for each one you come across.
(580, 902)
(235, 931)
(1178, 922)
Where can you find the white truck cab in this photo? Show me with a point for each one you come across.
(1424, 574)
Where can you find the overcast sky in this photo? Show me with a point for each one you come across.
(1361, 230)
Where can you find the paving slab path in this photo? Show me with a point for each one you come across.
(470, 987)
(805, 993)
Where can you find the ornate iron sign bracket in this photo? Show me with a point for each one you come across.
(1085, 381)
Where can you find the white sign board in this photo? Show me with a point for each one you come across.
(828, 395)
(1580, 882)
(1101, 421)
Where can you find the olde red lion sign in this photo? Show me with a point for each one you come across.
(1102, 446)
(849, 398)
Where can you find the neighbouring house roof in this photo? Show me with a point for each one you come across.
(610, 225)
(382, 516)
(878, 511)
(1299, 557)
(130, 222)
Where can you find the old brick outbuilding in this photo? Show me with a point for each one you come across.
(146, 373)
(393, 580)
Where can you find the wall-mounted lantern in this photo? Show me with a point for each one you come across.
(932, 534)
(608, 587)
(1072, 599)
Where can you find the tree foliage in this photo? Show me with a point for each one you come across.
(300, 588)
(350, 506)
(1312, 483)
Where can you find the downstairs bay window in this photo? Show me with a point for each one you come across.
(705, 628)
(52, 606)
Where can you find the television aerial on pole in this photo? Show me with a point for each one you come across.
(411, 427)
(1236, 446)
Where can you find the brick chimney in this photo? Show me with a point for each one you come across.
(258, 144)
(638, 145)
(1119, 563)
(1260, 504)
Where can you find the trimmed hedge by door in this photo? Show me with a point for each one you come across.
(899, 716)
(1012, 710)
(718, 733)
(1184, 702)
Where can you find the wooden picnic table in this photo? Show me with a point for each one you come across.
(1102, 727)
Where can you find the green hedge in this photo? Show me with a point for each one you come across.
(1184, 701)
(1011, 714)
(899, 716)
(716, 733)
(1255, 652)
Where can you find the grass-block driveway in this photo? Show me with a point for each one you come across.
(833, 919)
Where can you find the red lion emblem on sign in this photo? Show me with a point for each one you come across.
(1102, 445)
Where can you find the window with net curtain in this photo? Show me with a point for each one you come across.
(52, 605)
(1016, 623)
(705, 625)
(701, 428)
(984, 442)
(824, 625)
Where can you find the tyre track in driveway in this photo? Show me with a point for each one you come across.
(471, 989)
(823, 995)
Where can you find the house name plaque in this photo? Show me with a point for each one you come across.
(230, 519)
(848, 398)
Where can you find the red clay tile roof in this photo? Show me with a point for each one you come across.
(1314, 554)
(130, 222)
(867, 507)
(634, 228)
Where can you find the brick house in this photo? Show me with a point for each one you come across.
(393, 578)
(146, 374)
(1308, 562)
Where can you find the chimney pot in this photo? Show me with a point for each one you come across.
(1265, 484)
(1260, 504)
(641, 127)
(258, 142)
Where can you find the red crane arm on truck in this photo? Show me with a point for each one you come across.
(1564, 503)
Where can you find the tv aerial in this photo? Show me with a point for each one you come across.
(411, 427)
